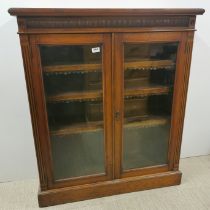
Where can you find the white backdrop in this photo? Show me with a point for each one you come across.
(17, 155)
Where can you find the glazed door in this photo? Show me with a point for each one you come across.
(145, 68)
(75, 102)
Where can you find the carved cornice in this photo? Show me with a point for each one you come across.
(61, 12)
(103, 22)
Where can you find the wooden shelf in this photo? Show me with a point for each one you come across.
(141, 65)
(149, 64)
(145, 121)
(131, 122)
(78, 128)
(73, 68)
(75, 96)
(147, 90)
(96, 95)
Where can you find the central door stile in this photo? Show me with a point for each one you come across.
(118, 102)
(108, 108)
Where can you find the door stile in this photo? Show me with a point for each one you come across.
(118, 103)
(108, 117)
(112, 106)
(41, 110)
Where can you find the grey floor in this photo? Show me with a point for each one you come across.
(192, 194)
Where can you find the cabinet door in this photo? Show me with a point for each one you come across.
(73, 76)
(145, 71)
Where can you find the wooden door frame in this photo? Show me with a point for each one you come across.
(45, 157)
(179, 98)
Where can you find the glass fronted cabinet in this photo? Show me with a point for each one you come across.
(107, 92)
(144, 99)
(76, 76)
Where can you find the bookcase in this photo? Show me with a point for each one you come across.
(107, 91)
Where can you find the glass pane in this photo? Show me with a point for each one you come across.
(72, 77)
(149, 72)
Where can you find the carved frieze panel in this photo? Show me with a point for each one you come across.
(98, 22)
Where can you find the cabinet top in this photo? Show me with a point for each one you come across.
(102, 12)
(49, 20)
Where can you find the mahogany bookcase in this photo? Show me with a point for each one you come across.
(107, 91)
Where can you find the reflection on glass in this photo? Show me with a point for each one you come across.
(73, 88)
(149, 71)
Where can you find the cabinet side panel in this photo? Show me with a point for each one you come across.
(26, 54)
(180, 97)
